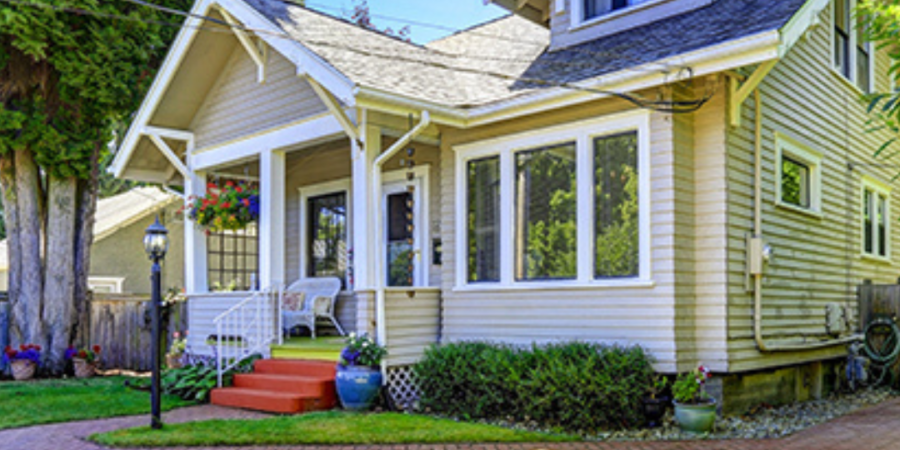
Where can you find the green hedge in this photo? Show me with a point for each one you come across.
(575, 386)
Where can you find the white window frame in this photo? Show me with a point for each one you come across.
(851, 57)
(578, 20)
(316, 190)
(421, 206)
(583, 134)
(794, 149)
(114, 283)
(877, 187)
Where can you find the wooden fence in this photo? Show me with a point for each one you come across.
(877, 300)
(120, 324)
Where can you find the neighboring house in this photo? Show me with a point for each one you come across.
(547, 205)
(119, 264)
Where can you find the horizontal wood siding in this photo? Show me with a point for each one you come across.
(816, 260)
(202, 311)
(413, 324)
(644, 315)
(239, 106)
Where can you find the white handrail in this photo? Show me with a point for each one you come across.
(249, 326)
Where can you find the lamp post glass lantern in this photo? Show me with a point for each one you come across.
(156, 243)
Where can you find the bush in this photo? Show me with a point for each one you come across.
(575, 386)
(194, 382)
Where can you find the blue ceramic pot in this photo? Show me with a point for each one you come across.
(357, 386)
(696, 419)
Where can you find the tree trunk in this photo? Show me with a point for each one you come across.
(59, 283)
(25, 307)
(84, 239)
(11, 217)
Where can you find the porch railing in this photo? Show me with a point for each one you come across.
(247, 328)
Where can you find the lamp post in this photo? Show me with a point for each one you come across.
(156, 242)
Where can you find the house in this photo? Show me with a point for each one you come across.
(693, 176)
(118, 262)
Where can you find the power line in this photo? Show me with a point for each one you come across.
(670, 106)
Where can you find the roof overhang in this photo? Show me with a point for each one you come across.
(537, 11)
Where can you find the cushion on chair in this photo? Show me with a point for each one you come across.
(321, 306)
(293, 301)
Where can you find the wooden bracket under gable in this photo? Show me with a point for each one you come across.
(255, 47)
(156, 135)
(739, 92)
(334, 107)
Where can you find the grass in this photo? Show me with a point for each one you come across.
(25, 403)
(327, 428)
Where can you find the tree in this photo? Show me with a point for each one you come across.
(881, 20)
(363, 17)
(69, 71)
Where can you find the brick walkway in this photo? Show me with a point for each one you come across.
(876, 428)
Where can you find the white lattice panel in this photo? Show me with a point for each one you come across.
(402, 387)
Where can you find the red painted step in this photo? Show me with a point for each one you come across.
(281, 386)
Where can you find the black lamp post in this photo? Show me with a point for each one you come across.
(156, 242)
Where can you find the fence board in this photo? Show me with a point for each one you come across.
(878, 300)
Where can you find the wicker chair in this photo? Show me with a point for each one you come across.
(309, 299)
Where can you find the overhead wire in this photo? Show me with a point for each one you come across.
(668, 106)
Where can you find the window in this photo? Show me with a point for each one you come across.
(400, 239)
(616, 206)
(233, 259)
(106, 285)
(798, 178)
(577, 213)
(852, 54)
(597, 8)
(483, 219)
(875, 218)
(546, 213)
(327, 241)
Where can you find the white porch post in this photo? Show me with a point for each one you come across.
(271, 218)
(363, 239)
(195, 240)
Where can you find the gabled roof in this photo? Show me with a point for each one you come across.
(115, 213)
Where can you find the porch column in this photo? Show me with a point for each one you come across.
(271, 218)
(195, 240)
(363, 240)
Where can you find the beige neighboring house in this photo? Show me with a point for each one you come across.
(119, 264)
(550, 200)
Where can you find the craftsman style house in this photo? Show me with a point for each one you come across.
(693, 176)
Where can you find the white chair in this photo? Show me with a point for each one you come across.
(308, 300)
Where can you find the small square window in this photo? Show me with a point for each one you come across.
(794, 182)
(798, 175)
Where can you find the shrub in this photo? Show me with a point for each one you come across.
(575, 386)
(194, 382)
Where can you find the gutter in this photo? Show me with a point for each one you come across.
(379, 256)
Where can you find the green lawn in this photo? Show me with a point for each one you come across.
(327, 428)
(24, 403)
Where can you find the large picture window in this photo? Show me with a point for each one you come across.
(616, 206)
(327, 243)
(546, 208)
(564, 206)
(483, 219)
(233, 259)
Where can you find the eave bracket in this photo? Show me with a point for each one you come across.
(739, 92)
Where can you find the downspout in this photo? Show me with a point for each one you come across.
(757, 276)
(379, 254)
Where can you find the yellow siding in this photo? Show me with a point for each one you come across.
(413, 324)
(816, 260)
(238, 106)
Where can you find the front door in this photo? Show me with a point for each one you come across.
(403, 237)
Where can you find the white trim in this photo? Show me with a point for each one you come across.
(316, 190)
(114, 283)
(169, 154)
(852, 81)
(258, 55)
(578, 21)
(335, 108)
(786, 145)
(582, 133)
(879, 188)
(304, 133)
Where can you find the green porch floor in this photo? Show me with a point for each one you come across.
(325, 348)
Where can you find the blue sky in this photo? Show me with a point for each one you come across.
(455, 14)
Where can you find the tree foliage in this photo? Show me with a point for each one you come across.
(881, 19)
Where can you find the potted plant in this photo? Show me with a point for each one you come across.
(23, 361)
(358, 378)
(655, 402)
(695, 410)
(231, 206)
(84, 360)
(174, 359)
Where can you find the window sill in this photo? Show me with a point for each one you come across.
(875, 258)
(799, 209)
(556, 286)
(847, 82)
(579, 24)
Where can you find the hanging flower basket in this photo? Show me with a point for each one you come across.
(231, 206)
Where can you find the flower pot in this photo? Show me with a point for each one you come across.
(83, 368)
(357, 386)
(696, 419)
(22, 369)
(654, 410)
(174, 361)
